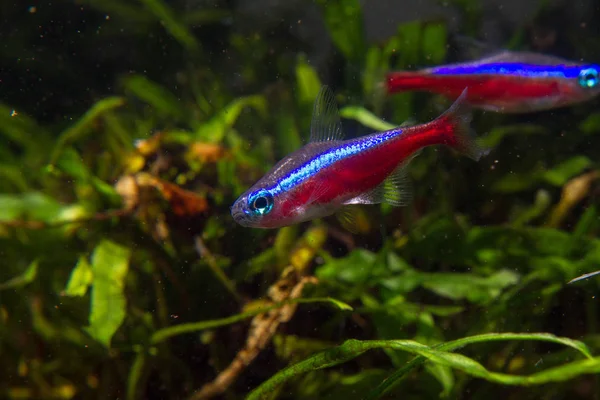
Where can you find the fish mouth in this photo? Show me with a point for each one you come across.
(239, 215)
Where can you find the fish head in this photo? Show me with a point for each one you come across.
(256, 208)
(587, 83)
(286, 195)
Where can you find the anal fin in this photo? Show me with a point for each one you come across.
(353, 219)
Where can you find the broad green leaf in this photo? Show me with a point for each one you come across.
(110, 264)
(434, 42)
(80, 280)
(354, 268)
(28, 206)
(457, 286)
(345, 23)
(307, 82)
(560, 174)
(514, 182)
(24, 279)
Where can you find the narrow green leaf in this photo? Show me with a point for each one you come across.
(215, 129)
(440, 355)
(497, 134)
(172, 24)
(24, 279)
(161, 99)
(110, 263)
(80, 280)
(366, 118)
(21, 129)
(171, 331)
(457, 344)
(84, 124)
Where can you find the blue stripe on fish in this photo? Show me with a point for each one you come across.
(520, 69)
(329, 157)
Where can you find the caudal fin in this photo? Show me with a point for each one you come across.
(401, 81)
(456, 122)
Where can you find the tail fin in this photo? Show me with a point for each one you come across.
(401, 81)
(458, 118)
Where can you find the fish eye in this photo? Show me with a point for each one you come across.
(588, 78)
(261, 202)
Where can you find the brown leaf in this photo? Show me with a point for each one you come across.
(206, 152)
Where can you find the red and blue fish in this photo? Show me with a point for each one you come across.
(508, 82)
(330, 173)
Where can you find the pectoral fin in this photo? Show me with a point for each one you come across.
(395, 190)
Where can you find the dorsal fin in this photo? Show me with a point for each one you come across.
(325, 125)
(395, 190)
(477, 52)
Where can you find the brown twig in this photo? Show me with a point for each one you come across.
(262, 329)
(264, 326)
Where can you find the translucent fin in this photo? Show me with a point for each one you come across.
(396, 190)
(463, 139)
(473, 49)
(479, 52)
(408, 122)
(347, 217)
(354, 219)
(325, 125)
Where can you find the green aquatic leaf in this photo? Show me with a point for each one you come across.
(444, 375)
(80, 280)
(161, 99)
(22, 129)
(110, 264)
(24, 279)
(216, 128)
(84, 125)
(560, 174)
(354, 268)
(458, 286)
(366, 118)
(434, 42)
(308, 83)
(28, 206)
(180, 329)
(71, 163)
(442, 355)
(172, 23)
(344, 20)
(591, 125)
(497, 134)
